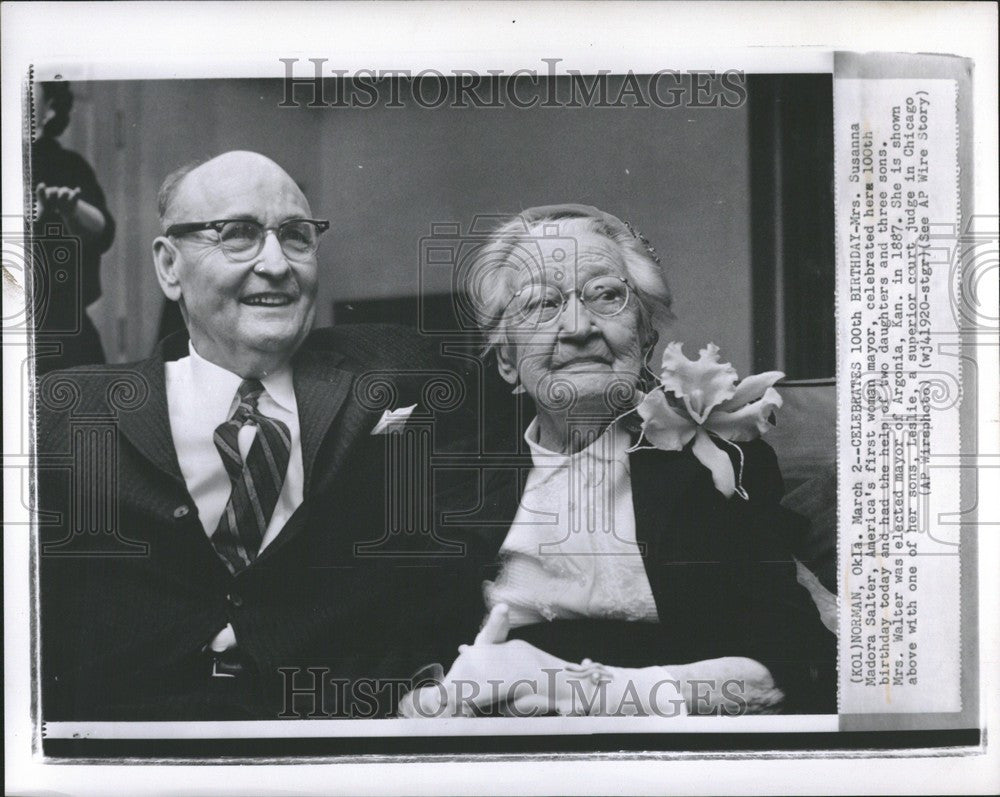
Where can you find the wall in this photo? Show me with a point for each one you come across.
(383, 175)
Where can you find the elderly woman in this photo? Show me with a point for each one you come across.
(616, 580)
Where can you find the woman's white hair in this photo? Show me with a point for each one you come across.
(491, 278)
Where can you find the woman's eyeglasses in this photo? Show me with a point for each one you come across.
(605, 296)
(243, 239)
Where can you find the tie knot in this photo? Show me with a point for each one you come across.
(248, 393)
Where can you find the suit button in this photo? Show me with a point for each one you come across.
(181, 511)
(235, 599)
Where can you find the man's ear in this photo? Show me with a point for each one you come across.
(165, 260)
(506, 365)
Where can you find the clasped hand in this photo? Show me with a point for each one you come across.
(513, 676)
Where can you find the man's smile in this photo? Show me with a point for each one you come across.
(268, 299)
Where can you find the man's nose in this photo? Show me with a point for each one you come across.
(271, 261)
(576, 320)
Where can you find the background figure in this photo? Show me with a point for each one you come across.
(69, 203)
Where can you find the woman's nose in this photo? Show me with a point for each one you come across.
(575, 320)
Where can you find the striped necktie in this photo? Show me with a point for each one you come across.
(256, 483)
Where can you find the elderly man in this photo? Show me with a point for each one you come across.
(247, 489)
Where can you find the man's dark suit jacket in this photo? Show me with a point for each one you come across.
(124, 630)
(720, 572)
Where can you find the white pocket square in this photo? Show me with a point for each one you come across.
(393, 420)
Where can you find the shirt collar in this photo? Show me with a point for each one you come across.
(610, 446)
(220, 385)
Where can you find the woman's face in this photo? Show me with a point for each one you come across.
(579, 360)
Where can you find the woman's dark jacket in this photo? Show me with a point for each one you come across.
(720, 570)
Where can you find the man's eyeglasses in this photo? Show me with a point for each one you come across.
(541, 304)
(243, 239)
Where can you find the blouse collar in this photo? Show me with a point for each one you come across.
(612, 445)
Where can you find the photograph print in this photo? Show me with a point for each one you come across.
(433, 396)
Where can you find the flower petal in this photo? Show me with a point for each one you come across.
(662, 425)
(746, 423)
(750, 389)
(701, 383)
(717, 461)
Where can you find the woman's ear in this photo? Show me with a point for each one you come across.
(650, 339)
(165, 260)
(506, 365)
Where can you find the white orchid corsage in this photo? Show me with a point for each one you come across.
(705, 400)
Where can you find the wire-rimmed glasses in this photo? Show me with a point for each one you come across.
(535, 304)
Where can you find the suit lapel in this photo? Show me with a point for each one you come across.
(320, 391)
(677, 519)
(148, 426)
(661, 483)
(188, 552)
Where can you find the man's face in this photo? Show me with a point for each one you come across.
(237, 312)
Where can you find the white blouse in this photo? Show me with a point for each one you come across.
(571, 552)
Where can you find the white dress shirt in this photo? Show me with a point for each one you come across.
(200, 397)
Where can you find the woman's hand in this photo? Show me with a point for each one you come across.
(731, 685)
(80, 216)
(496, 627)
(527, 681)
(61, 199)
(500, 673)
(514, 674)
